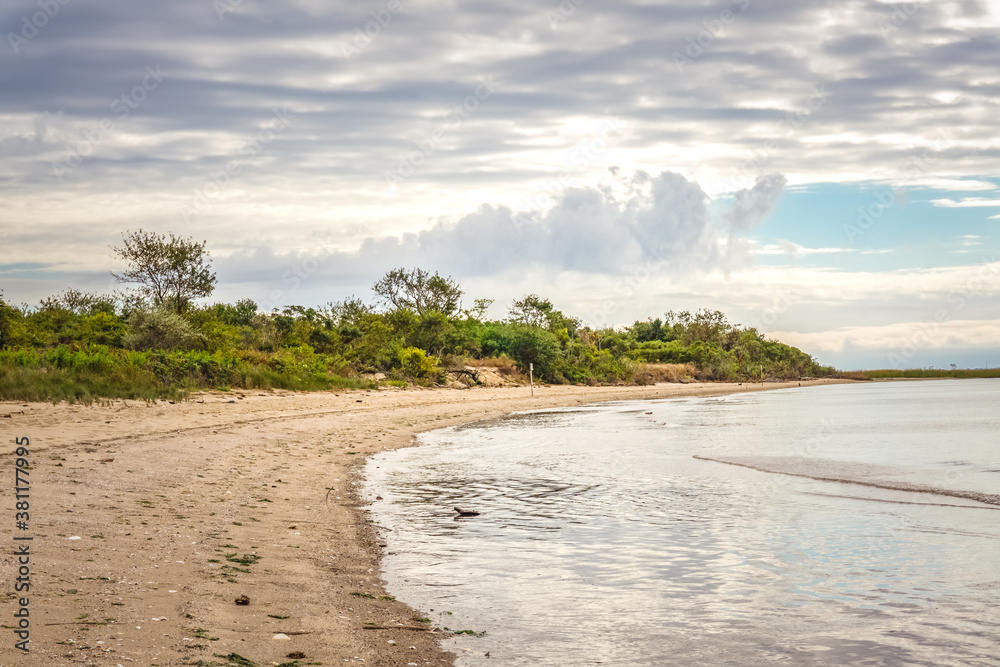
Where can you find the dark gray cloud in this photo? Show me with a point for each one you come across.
(357, 115)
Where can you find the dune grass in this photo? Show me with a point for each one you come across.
(85, 374)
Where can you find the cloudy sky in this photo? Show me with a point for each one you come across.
(825, 171)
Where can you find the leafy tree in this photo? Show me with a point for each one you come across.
(478, 312)
(431, 332)
(351, 311)
(537, 312)
(707, 326)
(169, 269)
(531, 310)
(526, 345)
(648, 331)
(536, 347)
(419, 291)
(242, 313)
(6, 322)
(79, 302)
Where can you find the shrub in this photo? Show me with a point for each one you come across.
(101, 328)
(646, 374)
(416, 363)
(6, 323)
(159, 329)
(526, 345)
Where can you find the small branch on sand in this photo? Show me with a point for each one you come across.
(79, 623)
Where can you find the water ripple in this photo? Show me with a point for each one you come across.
(602, 540)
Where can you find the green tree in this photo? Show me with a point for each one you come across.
(170, 270)
(6, 322)
(537, 312)
(707, 326)
(531, 310)
(79, 302)
(419, 291)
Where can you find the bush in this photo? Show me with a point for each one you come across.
(159, 329)
(6, 323)
(646, 374)
(416, 363)
(101, 328)
(525, 344)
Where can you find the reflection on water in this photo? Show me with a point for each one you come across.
(602, 540)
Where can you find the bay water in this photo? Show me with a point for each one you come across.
(832, 525)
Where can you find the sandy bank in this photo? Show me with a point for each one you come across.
(182, 508)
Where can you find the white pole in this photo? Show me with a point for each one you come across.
(531, 378)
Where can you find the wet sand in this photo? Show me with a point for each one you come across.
(180, 509)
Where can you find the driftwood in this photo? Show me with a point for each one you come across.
(81, 623)
(473, 374)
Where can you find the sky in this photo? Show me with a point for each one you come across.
(825, 171)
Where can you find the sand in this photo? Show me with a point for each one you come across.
(149, 521)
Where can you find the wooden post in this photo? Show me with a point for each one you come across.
(531, 378)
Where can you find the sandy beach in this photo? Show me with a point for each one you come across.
(150, 521)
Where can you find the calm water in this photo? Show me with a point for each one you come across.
(602, 540)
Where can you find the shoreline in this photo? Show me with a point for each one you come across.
(179, 508)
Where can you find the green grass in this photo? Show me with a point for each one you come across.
(83, 374)
(247, 559)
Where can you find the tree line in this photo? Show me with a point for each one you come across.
(154, 337)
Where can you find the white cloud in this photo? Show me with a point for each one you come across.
(792, 249)
(950, 184)
(892, 338)
(966, 203)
